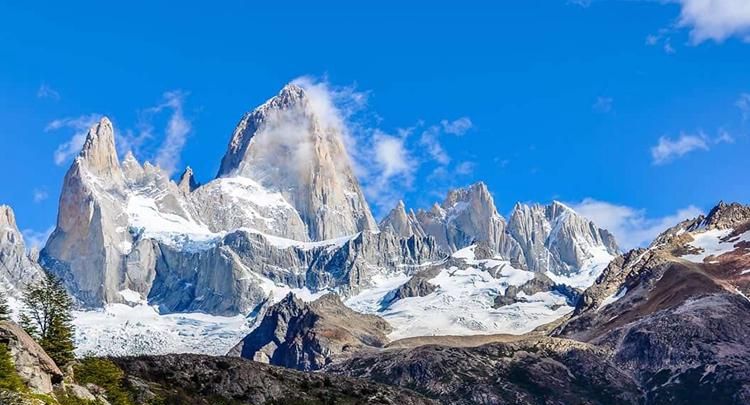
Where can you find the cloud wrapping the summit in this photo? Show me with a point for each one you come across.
(80, 126)
(385, 162)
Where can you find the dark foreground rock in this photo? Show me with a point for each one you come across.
(206, 380)
(540, 371)
(307, 336)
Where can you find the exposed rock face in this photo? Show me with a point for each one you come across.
(555, 238)
(243, 269)
(33, 365)
(540, 371)
(187, 181)
(205, 380)
(219, 248)
(17, 268)
(307, 336)
(467, 216)
(86, 247)
(290, 145)
(401, 223)
(677, 321)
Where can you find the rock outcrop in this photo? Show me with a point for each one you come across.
(37, 370)
(557, 239)
(401, 223)
(205, 380)
(675, 315)
(308, 336)
(539, 371)
(85, 249)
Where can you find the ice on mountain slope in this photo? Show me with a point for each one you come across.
(463, 302)
(138, 328)
(589, 271)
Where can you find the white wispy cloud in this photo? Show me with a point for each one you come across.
(79, 127)
(580, 3)
(178, 128)
(603, 104)
(743, 103)
(465, 168)
(45, 91)
(385, 162)
(457, 127)
(632, 227)
(142, 140)
(662, 38)
(430, 140)
(40, 195)
(36, 239)
(715, 20)
(668, 149)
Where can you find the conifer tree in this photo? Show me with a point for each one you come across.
(47, 318)
(5, 311)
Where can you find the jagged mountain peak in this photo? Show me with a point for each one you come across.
(475, 192)
(7, 217)
(187, 181)
(99, 153)
(723, 215)
(401, 222)
(294, 144)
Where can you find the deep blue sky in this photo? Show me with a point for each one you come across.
(566, 101)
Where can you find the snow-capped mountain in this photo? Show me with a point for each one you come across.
(552, 239)
(225, 246)
(285, 213)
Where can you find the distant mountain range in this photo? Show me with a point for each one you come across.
(280, 259)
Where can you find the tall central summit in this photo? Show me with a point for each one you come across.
(294, 144)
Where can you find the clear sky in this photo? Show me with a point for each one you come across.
(635, 112)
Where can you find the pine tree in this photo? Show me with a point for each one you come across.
(9, 379)
(47, 318)
(4, 308)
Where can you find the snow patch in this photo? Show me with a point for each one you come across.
(131, 296)
(612, 298)
(710, 244)
(588, 273)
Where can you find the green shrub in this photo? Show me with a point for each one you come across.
(105, 374)
(9, 379)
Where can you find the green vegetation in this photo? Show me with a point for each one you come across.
(48, 319)
(9, 379)
(105, 374)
